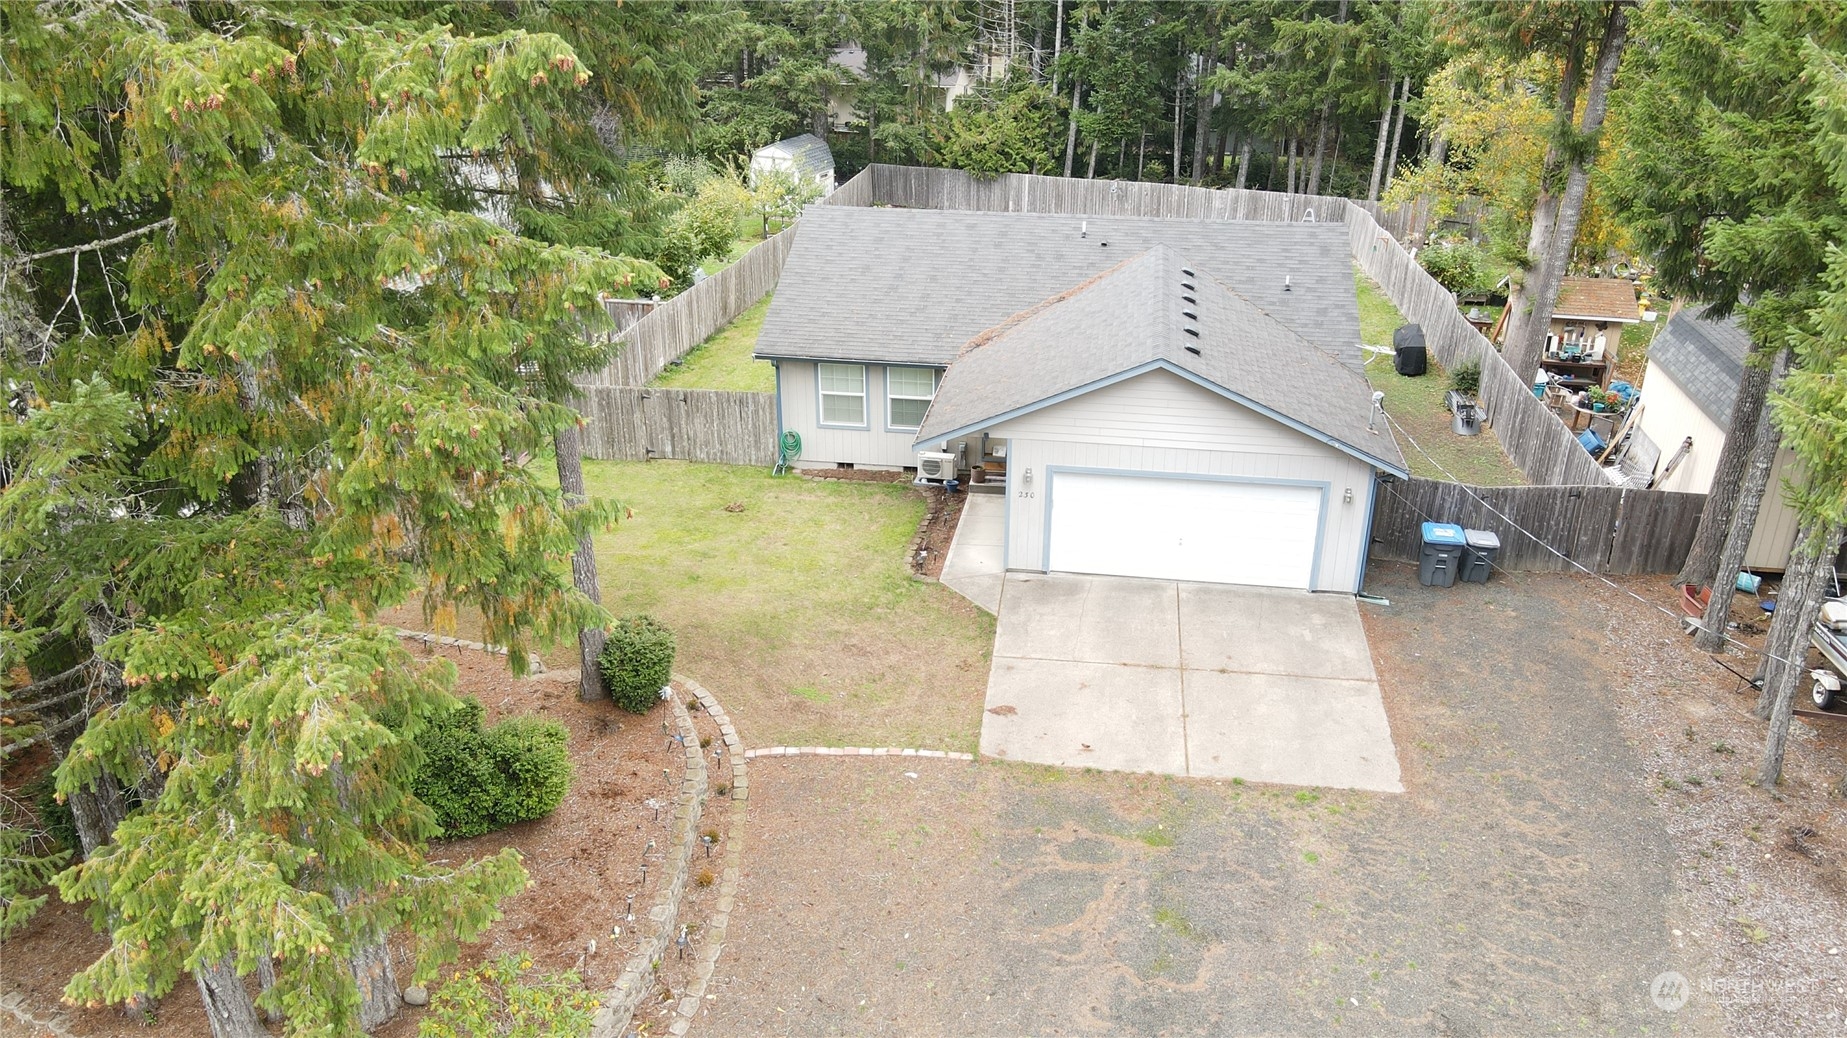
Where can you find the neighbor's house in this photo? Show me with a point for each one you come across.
(1688, 388)
(806, 155)
(1161, 398)
(1593, 312)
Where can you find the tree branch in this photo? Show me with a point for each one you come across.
(93, 246)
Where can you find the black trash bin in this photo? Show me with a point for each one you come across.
(1480, 548)
(1442, 555)
(1408, 350)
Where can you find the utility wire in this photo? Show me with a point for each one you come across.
(1691, 622)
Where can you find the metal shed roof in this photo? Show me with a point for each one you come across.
(806, 154)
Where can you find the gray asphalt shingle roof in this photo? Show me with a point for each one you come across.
(1136, 315)
(910, 286)
(808, 155)
(1705, 358)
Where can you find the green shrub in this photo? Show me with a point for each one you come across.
(1465, 377)
(480, 779)
(1460, 266)
(637, 662)
(508, 999)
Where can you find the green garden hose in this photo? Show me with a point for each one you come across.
(791, 449)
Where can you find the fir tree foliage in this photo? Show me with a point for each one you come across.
(322, 390)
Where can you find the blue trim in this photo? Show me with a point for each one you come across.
(1372, 493)
(1321, 521)
(936, 383)
(865, 398)
(1163, 364)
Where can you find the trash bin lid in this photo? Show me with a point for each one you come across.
(1443, 533)
(1482, 538)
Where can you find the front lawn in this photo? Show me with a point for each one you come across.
(1416, 404)
(724, 361)
(796, 610)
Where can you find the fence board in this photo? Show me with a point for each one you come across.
(1604, 529)
(636, 423)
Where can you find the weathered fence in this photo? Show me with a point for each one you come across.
(638, 423)
(1527, 430)
(1605, 529)
(688, 319)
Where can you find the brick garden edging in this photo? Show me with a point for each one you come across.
(853, 751)
(712, 938)
(619, 1002)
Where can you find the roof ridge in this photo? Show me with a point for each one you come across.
(1012, 321)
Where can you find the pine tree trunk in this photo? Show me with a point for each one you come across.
(1090, 172)
(1815, 551)
(1711, 637)
(266, 982)
(228, 1005)
(1224, 147)
(1058, 40)
(1702, 561)
(1071, 133)
(97, 811)
(1391, 162)
(378, 984)
(1292, 163)
(1202, 117)
(1378, 147)
(1244, 160)
(1798, 601)
(1141, 157)
(1545, 215)
(569, 444)
(1173, 175)
(1525, 352)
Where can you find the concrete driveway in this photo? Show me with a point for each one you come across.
(1206, 680)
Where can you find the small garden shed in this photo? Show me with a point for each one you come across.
(806, 155)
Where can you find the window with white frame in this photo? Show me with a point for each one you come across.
(843, 393)
(908, 392)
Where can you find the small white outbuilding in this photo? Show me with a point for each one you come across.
(806, 155)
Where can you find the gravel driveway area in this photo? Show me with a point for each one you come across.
(1525, 882)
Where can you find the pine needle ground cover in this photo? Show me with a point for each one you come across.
(1417, 405)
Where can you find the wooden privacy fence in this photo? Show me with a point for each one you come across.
(636, 423)
(1605, 529)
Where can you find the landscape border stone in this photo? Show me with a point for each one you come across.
(538, 665)
(619, 1002)
(713, 935)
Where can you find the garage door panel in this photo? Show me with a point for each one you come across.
(1178, 528)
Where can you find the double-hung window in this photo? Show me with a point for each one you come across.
(843, 393)
(908, 392)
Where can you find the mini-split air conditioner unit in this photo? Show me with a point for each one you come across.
(935, 465)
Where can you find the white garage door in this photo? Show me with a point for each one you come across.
(1184, 529)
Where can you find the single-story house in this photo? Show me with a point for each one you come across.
(806, 155)
(1688, 389)
(1592, 312)
(1179, 399)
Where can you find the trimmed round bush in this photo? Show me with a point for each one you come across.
(479, 779)
(637, 662)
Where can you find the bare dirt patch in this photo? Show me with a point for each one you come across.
(584, 860)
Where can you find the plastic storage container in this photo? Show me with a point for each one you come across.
(1442, 554)
(1480, 548)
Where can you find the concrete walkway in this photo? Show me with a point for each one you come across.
(974, 567)
(1207, 680)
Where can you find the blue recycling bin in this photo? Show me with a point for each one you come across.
(1441, 558)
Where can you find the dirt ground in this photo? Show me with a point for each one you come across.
(584, 860)
(1538, 875)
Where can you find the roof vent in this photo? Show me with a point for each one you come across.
(1189, 315)
(1286, 283)
(1083, 229)
(1194, 350)
(1188, 285)
(1189, 299)
(1194, 332)
(1186, 271)
(1104, 244)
